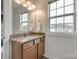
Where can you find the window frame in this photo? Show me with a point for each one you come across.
(21, 22)
(69, 14)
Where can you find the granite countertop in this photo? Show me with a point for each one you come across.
(27, 38)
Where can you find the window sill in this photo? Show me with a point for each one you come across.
(60, 34)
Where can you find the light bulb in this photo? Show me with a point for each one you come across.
(27, 4)
(24, 4)
(31, 7)
(23, 1)
(18, 1)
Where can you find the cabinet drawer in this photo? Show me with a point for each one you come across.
(27, 45)
(30, 53)
(36, 41)
(42, 39)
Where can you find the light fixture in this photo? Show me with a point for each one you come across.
(23, 1)
(18, 1)
(26, 3)
(31, 7)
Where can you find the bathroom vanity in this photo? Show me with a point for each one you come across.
(29, 46)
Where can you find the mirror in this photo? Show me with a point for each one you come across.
(20, 16)
(21, 10)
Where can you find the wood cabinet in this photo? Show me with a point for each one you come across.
(30, 53)
(27, 45)
(40, 49)
(32, 49)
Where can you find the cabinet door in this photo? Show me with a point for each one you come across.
(40, 50)
(30, 53)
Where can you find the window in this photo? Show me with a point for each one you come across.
(24, 22)
(61, 16)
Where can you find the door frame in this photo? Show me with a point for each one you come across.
(7, 27)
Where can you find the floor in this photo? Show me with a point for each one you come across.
(44, 58)
(2, 56)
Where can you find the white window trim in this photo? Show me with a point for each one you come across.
(24, 22)
(64, 33)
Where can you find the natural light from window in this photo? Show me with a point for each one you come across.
(61, 16)
(24, 22)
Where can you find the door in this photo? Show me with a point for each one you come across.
(40, 49)
(2, 34)
(30, 53)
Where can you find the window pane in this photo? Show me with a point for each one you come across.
(69, 19)
(60, 3)
(59, 20)
(68, 2)
(24, 26)
(53, 21)
(53, 5)
(52, 13)
(61, 16)
(69, 9)
(24, 17)
(52, 28)
(60, 11)
(60, 24)
(60, 28)
(69, 28)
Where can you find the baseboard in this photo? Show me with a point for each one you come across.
(44, 57)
